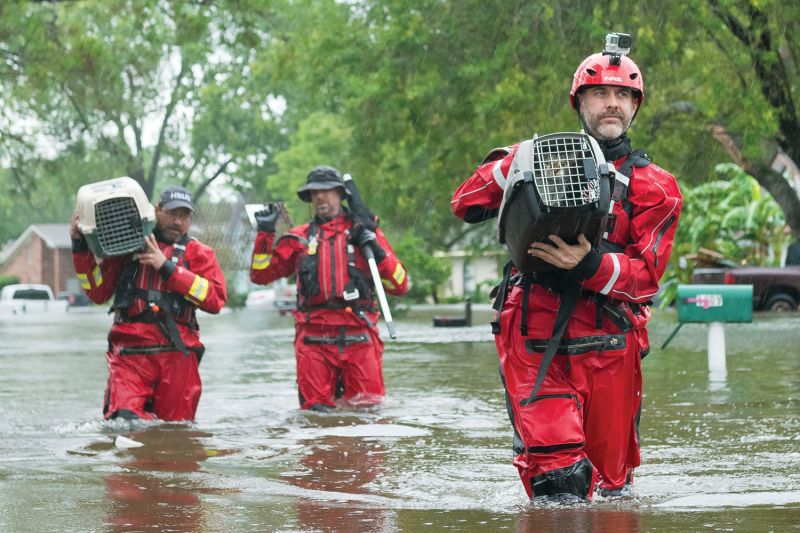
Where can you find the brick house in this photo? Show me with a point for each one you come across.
(42, 254)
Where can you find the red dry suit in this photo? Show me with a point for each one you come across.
(581, 427)
(154, 345)
(336, 335)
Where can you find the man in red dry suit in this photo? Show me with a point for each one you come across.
(337, 346)
(154, 346)
(581, 430)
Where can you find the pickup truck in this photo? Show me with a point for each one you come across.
(29, 298)
(774, 289)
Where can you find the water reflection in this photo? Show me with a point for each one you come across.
(148, 495)
(580, 518)
(339, 464)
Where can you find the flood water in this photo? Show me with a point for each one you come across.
(719, 452)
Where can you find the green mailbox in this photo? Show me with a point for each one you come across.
(715, 303)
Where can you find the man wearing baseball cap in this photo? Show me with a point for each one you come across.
(154, 346)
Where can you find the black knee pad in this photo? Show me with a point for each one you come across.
(573, 480)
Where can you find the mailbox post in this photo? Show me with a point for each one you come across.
(714, 305)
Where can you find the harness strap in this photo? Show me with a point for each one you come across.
(501, 298)
(342, 340)
(339, 339)
(172, 330)
(153, 350)
(598, 310)
(526, 292)
(127, 293)
(569, 298)
(637, 158)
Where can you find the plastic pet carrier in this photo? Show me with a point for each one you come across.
(115, 215)
(559, 184)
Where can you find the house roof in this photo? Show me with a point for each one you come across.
(53, 235)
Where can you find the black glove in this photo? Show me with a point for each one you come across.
(362, 237)
(361, 215)
(266, 218)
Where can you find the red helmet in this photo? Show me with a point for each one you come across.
(598, 70)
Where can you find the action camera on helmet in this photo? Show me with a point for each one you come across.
(617, 45)
(559, 184)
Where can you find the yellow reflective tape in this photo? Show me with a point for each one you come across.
(97, 274)
(388, 284)
(399, 274)
(84, 279)
(261, 261)
(199, 289)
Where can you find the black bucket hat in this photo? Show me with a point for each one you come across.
(321, 178)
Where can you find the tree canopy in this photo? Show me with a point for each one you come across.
(407, 96)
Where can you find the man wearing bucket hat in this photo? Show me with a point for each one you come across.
(154, 346)
(575, 411)
(337, 346)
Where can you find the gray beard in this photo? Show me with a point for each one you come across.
(606, 133)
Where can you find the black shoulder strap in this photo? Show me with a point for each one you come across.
(125, 291)
(637, 158)
(312, 230)
(179, 249)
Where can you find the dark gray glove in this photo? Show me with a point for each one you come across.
(362, 238)
(267, 218)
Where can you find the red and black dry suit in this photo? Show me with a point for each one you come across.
(336, 333)
(154, 345)
(581, 426)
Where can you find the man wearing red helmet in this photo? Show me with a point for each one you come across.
(581, 430)
(337, 345)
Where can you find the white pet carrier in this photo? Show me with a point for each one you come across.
(115, 215)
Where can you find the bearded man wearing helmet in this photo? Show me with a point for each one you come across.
(580, 432)
(337, 345)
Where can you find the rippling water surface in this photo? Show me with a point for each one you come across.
(719, 452)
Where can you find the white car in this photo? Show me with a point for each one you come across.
(29, 298)
(280, 298)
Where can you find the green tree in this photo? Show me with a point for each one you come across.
(144, 88)
(725, 77)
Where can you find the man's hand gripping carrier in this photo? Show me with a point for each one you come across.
(558, 184)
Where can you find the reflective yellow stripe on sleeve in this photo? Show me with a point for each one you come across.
(84, 279)
(97, 274)
(199, 289)
(261, 261)
(399, 274)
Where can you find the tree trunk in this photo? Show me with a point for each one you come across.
(774, 183)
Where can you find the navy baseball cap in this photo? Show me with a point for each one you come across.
(174, 197)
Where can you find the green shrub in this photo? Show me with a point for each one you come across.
(8, 280)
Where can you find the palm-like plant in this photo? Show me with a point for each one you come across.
(731, 215)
